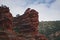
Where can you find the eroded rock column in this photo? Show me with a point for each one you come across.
(6, 24)
(28, 26)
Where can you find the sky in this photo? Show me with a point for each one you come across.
(49, 10)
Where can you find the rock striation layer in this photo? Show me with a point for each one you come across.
(6, 24)
(28, 26)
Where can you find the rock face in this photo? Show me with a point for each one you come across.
(28, 26)
(5, 18)
(28, 22)
(6, 24)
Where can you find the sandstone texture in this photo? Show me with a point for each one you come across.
(27, 25)
(6, 24)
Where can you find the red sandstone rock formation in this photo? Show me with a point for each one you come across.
(5, 18)
(28, 25)
(6, 24)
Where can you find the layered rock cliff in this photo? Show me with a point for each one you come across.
(28, 26)
(6, 24)
(26, 23)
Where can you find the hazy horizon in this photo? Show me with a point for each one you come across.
(49, 10)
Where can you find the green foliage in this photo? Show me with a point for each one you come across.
(49, 27)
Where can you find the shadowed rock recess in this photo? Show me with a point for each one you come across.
(27, 25)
